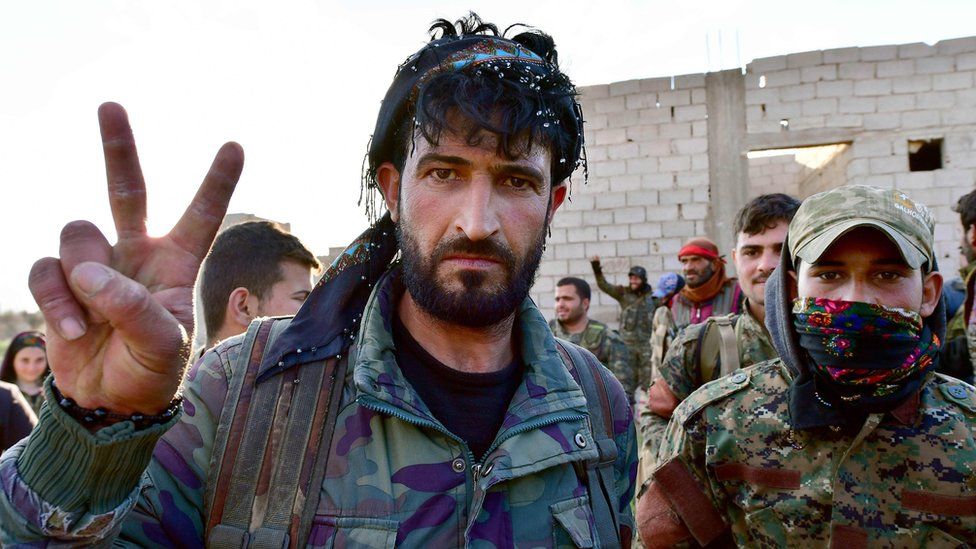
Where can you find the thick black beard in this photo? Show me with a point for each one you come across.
(478, 306)
(707, 275)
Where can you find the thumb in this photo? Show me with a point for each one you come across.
(153, 336)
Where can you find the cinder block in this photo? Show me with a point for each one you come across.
(808, 122)
(680, 229)
(936, 100)
(858, 167)
(595, 121)
(608, 168)
(628, 215)
(557, 235)
(592, 93)
(934, 65)
(952, 81)
(856, 71)
(656, 147)
(659, 181)
(818, 73)
(676, 129)
(920, 119)
(761, 96)
(691, 146)
(879, 53)
(966, 98)
(610, 136)
(966, 62)
(625, 183)
(804, 59)
(886, 181)
(957, 45)
(674, 163)
(554, 267)
(687, 81)
(632, 248)
(610, 104)
(654, 115)
(668, 246)
(699, 128)
(844, 121)
(896, 103)
(956, 117)
(692, 179)
(837, 88)
(641, 166)
(882, 121)
(912, 84)
(645, 230)
(767, 64)
(569, 251)
(642, 134)
(655, 84)
(857, 105)
(691, 112)
(638, 101)
(699, 162)
(888, 164)
(623, 119)
(674, 98)
(643, 198)
(914, 180)
(580, 234)
(841, 55)
(816, 107)
(901, 67)
(667, 212)
(787, 77)
(871, 148)
(698, 95)
(593, 186)
(626, 87)
(603, 249)
(595, 153)
(568, 218)
(953, 178)
(915, 50)
(694, 211)
(872, 87)
(623, 151)
(800, 92)
(676, 196)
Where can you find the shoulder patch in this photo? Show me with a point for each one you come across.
(710, 393)
(958, 392)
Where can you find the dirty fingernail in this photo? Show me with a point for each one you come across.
(91, 277)
(71, 328)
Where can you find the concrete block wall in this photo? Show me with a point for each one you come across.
(648, 150)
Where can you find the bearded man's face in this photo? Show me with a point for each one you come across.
(471, 224)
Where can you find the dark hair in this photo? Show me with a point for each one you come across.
(21, 341)
(582, 287)
(521, 107)
(966, 208)
(248, 255)
(764, 212)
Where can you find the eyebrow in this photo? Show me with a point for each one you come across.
(508, 167)
(882, 261)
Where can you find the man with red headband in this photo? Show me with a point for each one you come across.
(707, 292)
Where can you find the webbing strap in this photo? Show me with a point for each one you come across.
(728, 348)
(599, 474)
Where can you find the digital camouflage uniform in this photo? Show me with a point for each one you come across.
(902, 480)
(683, 374)
(636, 310)
(396, 476)
(608, 348)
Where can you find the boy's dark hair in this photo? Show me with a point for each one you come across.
(966, 208)
(517, 97)
(764, 212)
(247, 255)
(582, 287)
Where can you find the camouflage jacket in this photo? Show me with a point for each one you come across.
(396, 476)
(684, 363)
(728, 300)
(608, 348)
(903, 479)
(636, 310)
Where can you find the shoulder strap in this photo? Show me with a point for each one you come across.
(717, 347)
(271, 448)
(598, 474)
(728, 349)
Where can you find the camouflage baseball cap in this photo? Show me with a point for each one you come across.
(825, 217)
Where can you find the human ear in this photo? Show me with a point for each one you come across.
(388, 178)
(239, 307)
(558, 196)
(931, 293)
(792, 286)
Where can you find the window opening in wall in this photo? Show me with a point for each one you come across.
(924, 155)
(798, 171)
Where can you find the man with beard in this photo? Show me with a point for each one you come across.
(457, 418)
(707, 292)
(636, 308)
(703, 352)
(849, 439)
(573, 324)
(960, 347)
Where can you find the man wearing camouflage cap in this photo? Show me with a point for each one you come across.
(637, 304)
(849, 439)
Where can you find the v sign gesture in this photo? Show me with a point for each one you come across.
(122, 315)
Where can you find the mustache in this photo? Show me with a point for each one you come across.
(489, 249)
(760, 279)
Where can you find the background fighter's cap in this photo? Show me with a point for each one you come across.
(825, 217)
(638, 271)
(667, 284)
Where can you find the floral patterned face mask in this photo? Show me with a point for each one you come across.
(871, 349)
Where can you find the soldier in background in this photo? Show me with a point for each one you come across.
(708, 291)
(662, 324)
(703, 352)
(849, 439)
(572, 303)
(637, 304)
(957, 354)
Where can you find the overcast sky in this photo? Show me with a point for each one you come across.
(298, 84)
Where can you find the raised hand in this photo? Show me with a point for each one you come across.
(120, 317)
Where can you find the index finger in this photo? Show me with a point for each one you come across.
(126, 186)
(195, 231)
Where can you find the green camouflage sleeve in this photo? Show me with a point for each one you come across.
(652, 428)
(138, 488)
(621, 363)
(678, 369)
(616, 292)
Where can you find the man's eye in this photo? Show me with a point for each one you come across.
(443, 173)
(828, 276)
(519, 183)
(889, 275)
